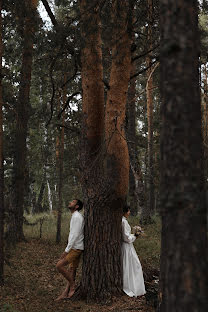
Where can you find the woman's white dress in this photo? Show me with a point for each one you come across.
(133, 281)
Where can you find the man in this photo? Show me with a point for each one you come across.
(71, 255)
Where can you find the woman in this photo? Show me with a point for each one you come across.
(133, 281)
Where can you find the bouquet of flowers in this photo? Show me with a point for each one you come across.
(137, 230)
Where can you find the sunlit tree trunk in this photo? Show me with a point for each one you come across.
(1, 163)
(117, 149)
(104, 195)
(184, 260)
(22, 116)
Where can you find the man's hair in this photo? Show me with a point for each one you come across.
(126, 208)
(79, 203)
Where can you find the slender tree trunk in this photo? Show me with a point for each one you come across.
(1, 163)
(22, 116)
(136, 185)
(150, 187)
(184, 230)
(60, 170)
(149, 209)
(49, 197)
(39, 207)
(205, 118)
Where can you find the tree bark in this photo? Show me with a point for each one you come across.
(116, 145)
(101, 275)
(184, 230)
(131, 136)
(22, 116)
(1, 163)
(38, 206)
(91, 160)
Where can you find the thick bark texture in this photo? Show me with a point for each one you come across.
(116, 145)
(131, 136)
(92, 78)
(184, 277)
(93, 128)
(1, 164)
(22, 116)
(104, 195)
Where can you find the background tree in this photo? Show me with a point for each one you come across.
(183, 210)
(1, 162)
(22, 115)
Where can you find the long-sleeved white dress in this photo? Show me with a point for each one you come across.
(133, 281)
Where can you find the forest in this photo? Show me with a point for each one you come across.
(105, 101)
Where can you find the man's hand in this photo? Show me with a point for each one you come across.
(63, 255)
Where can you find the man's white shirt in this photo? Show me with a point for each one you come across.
(76, 233)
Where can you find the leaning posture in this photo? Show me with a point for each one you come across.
(133, 281)
(71, 255)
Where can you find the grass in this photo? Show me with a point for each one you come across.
(7, 308)
(147, 246)
(32, 281)
(48, 226)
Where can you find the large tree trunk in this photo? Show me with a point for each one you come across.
(22, 116)
(116, 145)
(1, 163)
(131, 136)
(104, 195)
(93, 128)
(184, 231)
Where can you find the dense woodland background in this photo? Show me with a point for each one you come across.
(61, 137)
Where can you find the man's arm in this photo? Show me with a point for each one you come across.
(74, 233)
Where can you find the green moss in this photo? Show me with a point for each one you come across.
(7, 308)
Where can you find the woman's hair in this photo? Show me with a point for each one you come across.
(126, 208)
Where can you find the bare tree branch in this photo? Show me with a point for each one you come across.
(67, 102)
(144, 54)
(144, 69)
(50, 13)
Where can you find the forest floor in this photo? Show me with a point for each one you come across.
(32, 283)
